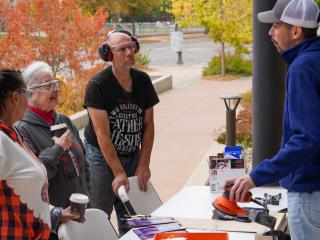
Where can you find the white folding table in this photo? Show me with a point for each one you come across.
(194, 204)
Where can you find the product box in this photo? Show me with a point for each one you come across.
(222, 169)
(233, 152)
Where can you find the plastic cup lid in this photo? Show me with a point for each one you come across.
(79, 198)
(58, 126)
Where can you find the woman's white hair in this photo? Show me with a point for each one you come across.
(32, 72)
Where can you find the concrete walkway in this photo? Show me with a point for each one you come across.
(186, 121)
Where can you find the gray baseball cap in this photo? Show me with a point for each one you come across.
(303, 13)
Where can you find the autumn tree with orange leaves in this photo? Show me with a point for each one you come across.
(58, 33)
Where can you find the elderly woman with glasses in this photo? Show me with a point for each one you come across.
(63, 156)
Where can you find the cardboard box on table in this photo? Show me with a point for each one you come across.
(222, 169)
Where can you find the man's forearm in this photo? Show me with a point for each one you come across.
(147, 144)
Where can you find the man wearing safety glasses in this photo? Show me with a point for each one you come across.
(119, 136)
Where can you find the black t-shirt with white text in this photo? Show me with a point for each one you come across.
(126, 110)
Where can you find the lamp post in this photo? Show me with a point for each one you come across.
(178, 40)
(231, 102)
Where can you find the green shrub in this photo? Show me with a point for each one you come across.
(234, 65)
(213, 68)
(222, 138)
(142, 59)
(246, 101)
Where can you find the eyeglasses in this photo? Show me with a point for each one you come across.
(49, 86)
(25, 91)
(122, 47)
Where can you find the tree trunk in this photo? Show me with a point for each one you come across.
(133, 26)
(222, 42)
(222, 59)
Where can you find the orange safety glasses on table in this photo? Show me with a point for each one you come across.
(191, 236)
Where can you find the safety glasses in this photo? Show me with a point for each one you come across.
(49, 86)
(27, 92)
(122, 47)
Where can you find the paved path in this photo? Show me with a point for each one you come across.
(185, 122)
(195, 51)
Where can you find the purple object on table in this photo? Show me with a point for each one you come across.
(147, 232)
(148, 222)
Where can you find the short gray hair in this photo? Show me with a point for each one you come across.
(32, 71)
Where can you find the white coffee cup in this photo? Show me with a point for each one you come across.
(78, 204)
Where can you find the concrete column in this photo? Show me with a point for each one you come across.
(268, 88)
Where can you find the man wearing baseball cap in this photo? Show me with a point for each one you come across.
(297, 164)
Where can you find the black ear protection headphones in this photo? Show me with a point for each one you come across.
(105, 51)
